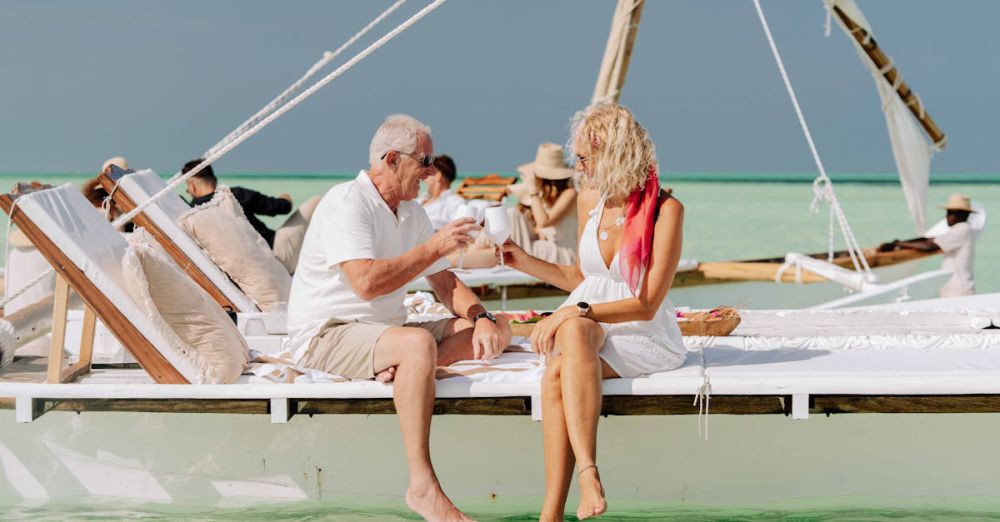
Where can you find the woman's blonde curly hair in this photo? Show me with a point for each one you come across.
(620, 151)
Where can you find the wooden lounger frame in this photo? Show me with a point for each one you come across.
(492, 187)
(124, 203)
(97, 305)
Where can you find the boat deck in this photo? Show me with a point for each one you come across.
(796, 377)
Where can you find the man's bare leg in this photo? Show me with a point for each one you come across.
(414, 354)
(457, 344)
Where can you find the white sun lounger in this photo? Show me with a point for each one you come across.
(86, 253)
(160, 220)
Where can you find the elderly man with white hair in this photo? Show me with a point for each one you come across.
(368, 238)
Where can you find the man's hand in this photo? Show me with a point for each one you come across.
(452, 236)
(490, 340)
(286, 197)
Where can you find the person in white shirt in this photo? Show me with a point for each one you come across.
(958, 245)
(366, 241)
(441, 202)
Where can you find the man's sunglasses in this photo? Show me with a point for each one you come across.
(425, 160)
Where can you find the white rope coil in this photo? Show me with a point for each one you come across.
(823, 187)
(279, 112)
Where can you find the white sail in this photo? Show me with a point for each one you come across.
(910, 148)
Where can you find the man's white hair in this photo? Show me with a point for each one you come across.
(398, 132)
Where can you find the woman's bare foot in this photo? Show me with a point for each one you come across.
(592, 501)
(386, 376)
(551, 517)
(432, 504)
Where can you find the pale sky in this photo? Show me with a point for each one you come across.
(159, 82)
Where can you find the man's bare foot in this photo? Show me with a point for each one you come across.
(386, 376)
(432, 504)
(592, 501)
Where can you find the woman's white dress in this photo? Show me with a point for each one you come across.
(633, 348)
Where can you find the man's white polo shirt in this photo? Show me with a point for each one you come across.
(352, 221)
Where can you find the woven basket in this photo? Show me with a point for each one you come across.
(718, 322)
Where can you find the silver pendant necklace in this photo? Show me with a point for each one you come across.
(618, 222)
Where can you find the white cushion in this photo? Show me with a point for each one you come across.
(164, 212)
(192, 322)
(221, 228)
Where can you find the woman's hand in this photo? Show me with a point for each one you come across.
(513, 254)
(543, 336)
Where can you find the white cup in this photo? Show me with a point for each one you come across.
(466, 211)
(276, 320)
(255, 327)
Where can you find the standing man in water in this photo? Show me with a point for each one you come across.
(367, 240)
(958, 245)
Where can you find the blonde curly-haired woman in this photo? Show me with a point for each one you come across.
(617, 321)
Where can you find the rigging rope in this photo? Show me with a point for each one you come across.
(279, 112)
(287, 93)
(822, 186)
(221, 151)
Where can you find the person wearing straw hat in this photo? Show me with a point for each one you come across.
(545, 222)
(957, 244)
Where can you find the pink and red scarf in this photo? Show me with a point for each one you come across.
(637, 234)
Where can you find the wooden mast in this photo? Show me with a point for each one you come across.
(867, 43)
(618, 52)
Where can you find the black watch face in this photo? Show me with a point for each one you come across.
(583, 305)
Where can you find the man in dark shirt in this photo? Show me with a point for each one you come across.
(201, 188)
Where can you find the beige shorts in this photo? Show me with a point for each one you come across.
(348, 349)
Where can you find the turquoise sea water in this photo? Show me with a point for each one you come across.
(740, 216)
(307, 511)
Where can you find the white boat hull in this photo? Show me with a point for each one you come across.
(493, 464)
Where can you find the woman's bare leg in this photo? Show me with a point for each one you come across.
(581, 374)
(558, 453)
